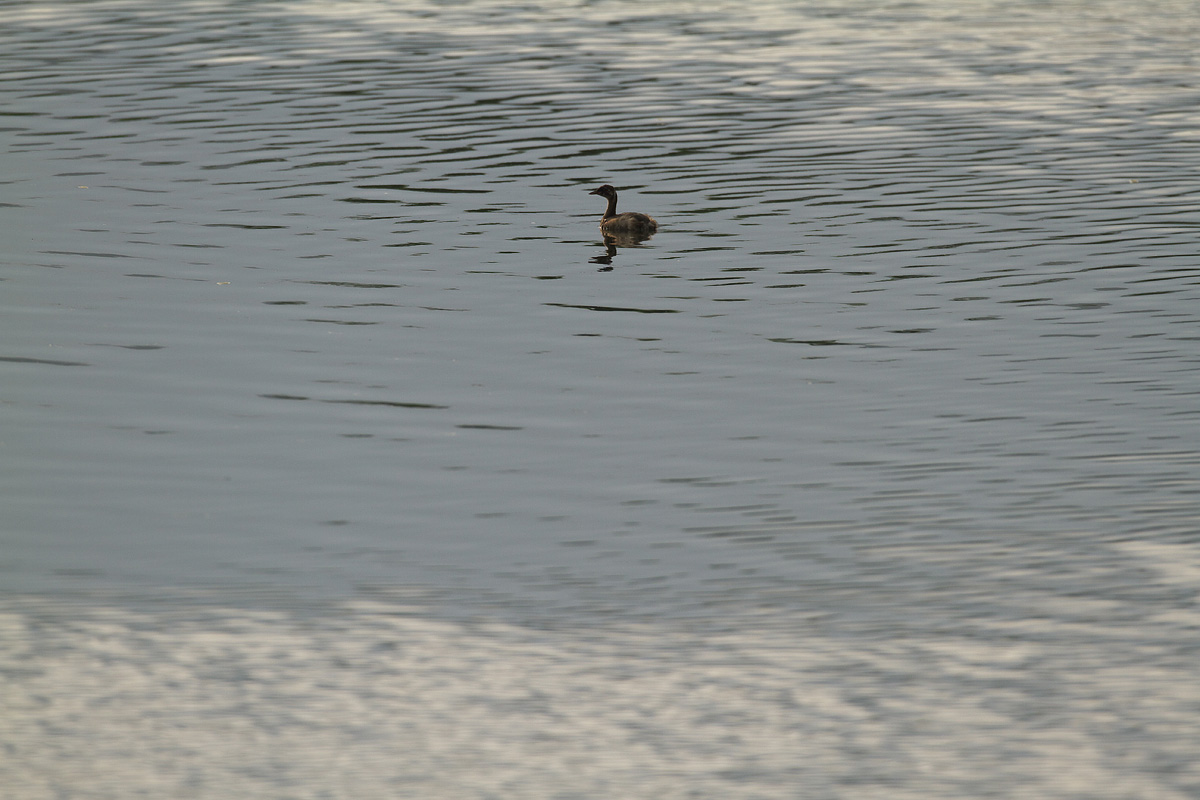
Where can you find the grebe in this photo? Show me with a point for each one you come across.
(631, 222)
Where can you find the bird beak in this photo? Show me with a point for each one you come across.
(594, 191)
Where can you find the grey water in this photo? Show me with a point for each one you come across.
(341, 456)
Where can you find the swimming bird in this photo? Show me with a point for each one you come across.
(631, 222)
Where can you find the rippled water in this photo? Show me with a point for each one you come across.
(873, 474)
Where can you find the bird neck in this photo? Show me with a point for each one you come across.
(611, 211)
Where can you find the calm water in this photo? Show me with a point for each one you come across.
(341, 456)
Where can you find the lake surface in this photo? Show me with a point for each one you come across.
(342, 457)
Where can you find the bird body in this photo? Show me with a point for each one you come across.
(631, 222)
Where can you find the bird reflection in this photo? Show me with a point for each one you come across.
(612, 242)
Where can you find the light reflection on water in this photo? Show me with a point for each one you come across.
(305, 303)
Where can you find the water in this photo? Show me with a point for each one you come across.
(342, 457)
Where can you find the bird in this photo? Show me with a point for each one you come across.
(629, 223)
